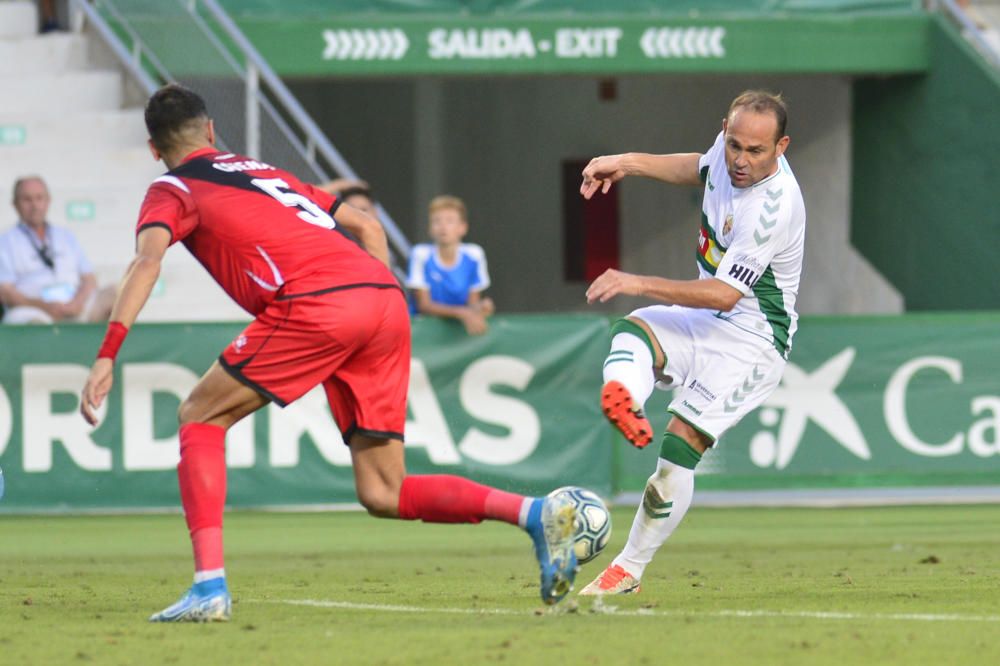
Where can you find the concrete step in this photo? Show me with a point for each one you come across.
(73, 91)
(103, 219)
(108, 209)
(18, 19)
(51, 53)
(51, 133)
(81, 169)
(186, 292)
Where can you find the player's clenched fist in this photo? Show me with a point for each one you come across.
(610, 283)
(601, 173)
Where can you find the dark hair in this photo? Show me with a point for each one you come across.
(356, 190)
(171, 112)
(761, 101)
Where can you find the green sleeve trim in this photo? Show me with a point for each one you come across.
(703, 174)
(679, 452)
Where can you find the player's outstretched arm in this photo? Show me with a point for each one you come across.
(140, 277)
(368, 230)
(710, 294)
(602, 172)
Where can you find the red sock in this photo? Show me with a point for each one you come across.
(202, 477)
(442, 498)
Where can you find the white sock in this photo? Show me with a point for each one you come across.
(522, 516)
(208, 574)
(665, 501)
(630, 363)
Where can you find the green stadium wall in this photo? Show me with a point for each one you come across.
(924, 205)
(865, 401)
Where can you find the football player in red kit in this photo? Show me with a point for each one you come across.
(326, 312)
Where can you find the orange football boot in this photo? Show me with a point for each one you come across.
(622, 412)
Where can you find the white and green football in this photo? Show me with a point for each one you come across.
(593, 522)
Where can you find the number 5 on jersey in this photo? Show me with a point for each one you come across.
(308, 210)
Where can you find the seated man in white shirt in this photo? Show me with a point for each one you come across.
(44, 276)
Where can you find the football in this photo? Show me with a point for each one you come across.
(593, 522)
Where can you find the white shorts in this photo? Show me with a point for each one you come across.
(721, 373)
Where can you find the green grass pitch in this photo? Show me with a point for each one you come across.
(750, 586)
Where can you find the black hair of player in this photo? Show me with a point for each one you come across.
(171, 112)
(356, 190)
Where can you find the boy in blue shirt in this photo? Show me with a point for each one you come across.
(448, 276)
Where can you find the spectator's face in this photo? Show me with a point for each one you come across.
(32, 202)
(362, 203)
(752, 149)
(447, 227)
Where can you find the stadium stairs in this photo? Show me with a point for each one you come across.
(69, 115)
(986, 15)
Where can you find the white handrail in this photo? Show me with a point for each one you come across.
(100, 26)
(255, 71)
(971, 31)
(301, 117)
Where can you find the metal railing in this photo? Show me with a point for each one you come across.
(197, 43)
(973, 32)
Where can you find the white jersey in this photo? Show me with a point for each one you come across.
(753, 239)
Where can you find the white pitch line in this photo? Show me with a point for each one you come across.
(601, 608)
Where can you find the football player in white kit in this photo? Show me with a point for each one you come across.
(721, 340)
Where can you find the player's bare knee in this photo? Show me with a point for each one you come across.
(188, 412)
(658, 355)
(695, 439)
(379, 501)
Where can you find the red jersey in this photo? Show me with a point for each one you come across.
(263, 234)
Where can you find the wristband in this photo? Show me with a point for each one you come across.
(113, 340)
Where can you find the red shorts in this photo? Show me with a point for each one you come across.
(355, 342)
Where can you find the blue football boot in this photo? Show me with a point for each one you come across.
(551, 524)
(208, 601)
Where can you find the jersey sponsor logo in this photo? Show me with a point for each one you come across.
(690, 407)
(744, 275)
(245, 165)
(701, 389)
(728, 226)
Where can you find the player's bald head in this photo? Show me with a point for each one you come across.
(31, 182)
(175, 116)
